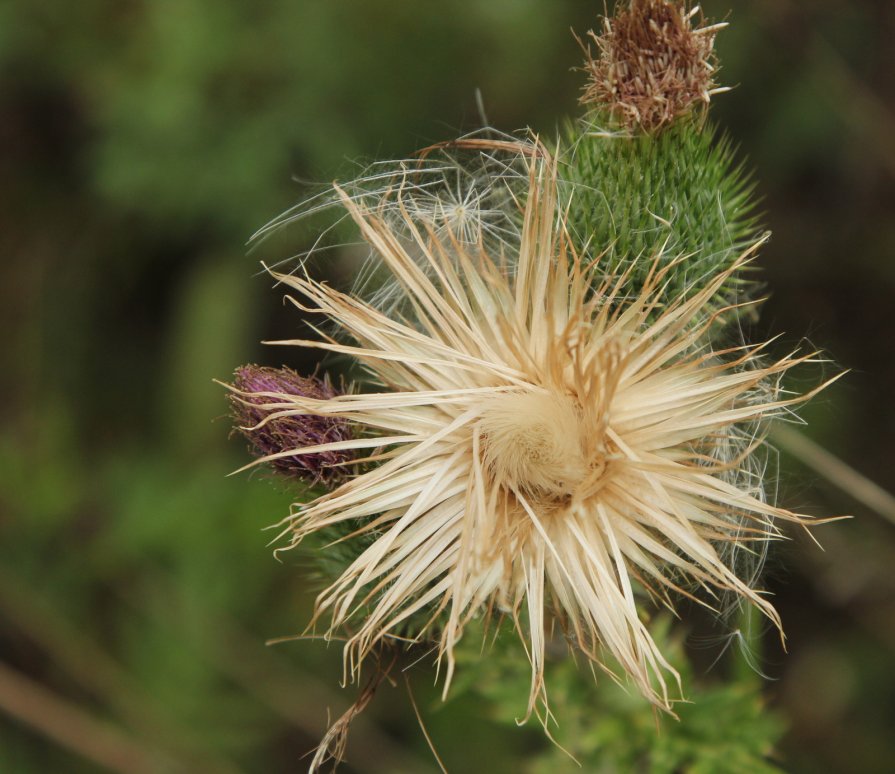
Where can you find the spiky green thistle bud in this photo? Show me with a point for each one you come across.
(649, 175)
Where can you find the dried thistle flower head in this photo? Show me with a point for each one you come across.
(653, 65)
(262, 412)
(555, 445)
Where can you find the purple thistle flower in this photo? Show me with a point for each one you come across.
(252, 403)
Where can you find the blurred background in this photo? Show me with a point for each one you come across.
(141, 144)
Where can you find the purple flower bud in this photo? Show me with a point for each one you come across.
(250, 407)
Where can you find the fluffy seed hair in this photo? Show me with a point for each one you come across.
(463, 188)
(553, 445)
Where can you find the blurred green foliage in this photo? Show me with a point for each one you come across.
(723, 726)
(141, 143)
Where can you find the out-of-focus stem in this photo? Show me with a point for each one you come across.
(72, 650)
(73, 728)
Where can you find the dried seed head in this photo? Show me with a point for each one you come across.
(263, 412)
(653, 64)
(555, 449)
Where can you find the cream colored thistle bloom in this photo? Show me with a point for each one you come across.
(552, 444)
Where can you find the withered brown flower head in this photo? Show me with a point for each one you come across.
(653, 64)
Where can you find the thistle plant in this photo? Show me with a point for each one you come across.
(555, 428)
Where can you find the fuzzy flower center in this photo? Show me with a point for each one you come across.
(535, 442)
